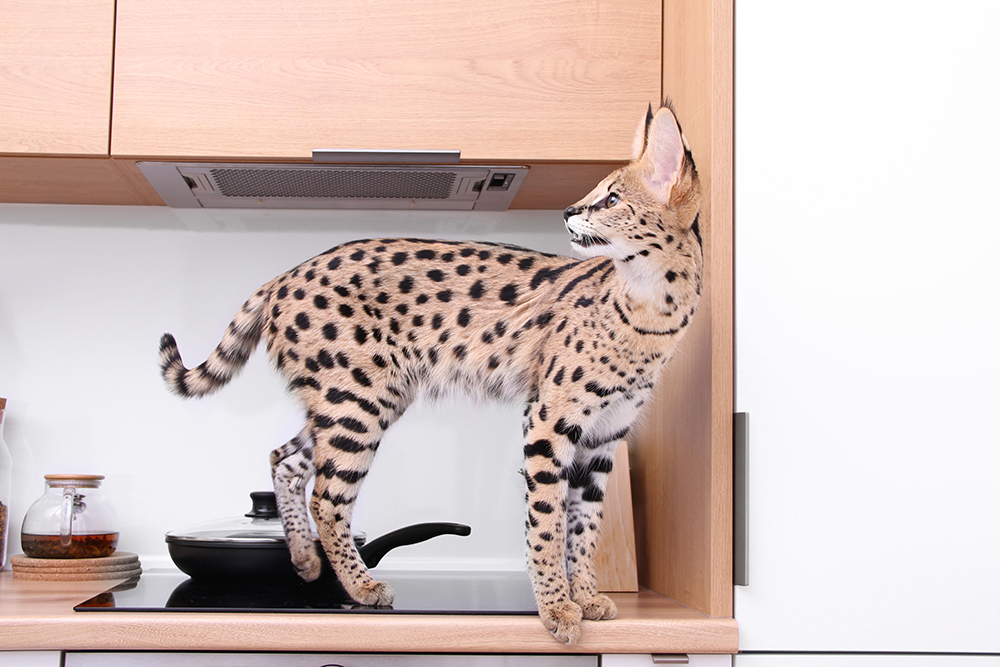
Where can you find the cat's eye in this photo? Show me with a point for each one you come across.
(612, 199)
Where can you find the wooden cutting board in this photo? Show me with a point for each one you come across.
(119, 565)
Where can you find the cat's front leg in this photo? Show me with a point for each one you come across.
(291, 469)
(547, 457)
(588, 481)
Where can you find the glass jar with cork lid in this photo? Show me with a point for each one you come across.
(72, 519)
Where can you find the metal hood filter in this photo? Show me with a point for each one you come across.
(335, 186)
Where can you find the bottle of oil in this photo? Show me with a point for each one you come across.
(5, 482)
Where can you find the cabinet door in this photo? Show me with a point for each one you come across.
(510, 80)
(862, 660)
(55, 76)
(30, 658)
(866, 293)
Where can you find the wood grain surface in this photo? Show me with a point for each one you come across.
(55, 76)
(39, 615)
(616, 569)
(519, 79)
(682, 457)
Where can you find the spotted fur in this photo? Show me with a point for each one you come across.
(361, 330)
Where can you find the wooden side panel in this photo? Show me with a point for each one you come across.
(615, 560)
(55, 76)
(53, 180)
(514, 80)
(556, 186)
(682, 457)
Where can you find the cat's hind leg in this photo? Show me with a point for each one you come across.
(588, 481)
(291, 469)
(346, 436)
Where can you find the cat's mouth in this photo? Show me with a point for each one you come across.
(586, 240)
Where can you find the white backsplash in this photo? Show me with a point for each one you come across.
(86, 292)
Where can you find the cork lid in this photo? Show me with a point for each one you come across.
(3, 403)
(74, 480)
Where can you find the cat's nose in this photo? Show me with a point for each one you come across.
(570, 212)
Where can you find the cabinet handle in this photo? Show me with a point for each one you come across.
(741, 514)
(670, 659)
(361, 156)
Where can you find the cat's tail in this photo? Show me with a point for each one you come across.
(238, 343)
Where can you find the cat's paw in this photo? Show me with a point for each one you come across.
(563, 620)
(309, 568)
(599, 608)
(374, 594)
(306, 562)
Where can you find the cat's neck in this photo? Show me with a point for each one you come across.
(654, 296)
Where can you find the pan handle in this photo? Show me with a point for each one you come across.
(372, 552)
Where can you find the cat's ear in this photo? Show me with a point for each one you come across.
(641, 132)
(662, 154)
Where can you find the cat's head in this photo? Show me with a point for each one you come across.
(647, 205)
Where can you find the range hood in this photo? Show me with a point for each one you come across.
(339, 180)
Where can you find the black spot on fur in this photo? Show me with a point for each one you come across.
(595, 388)
(546, 477)
(336, 397)
(352, 424)
(571, 431)
(345, 444)
(360, 377)
(539, 448)
(509, 293)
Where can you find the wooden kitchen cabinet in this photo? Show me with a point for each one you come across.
(511, 80)
(55, 76)
(681, 456)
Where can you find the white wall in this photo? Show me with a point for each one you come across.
(86, 292)
(867, 289)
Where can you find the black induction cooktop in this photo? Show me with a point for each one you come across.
(417, 592)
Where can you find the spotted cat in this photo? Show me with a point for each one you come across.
(363, 329)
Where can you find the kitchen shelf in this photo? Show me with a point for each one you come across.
(38, 615)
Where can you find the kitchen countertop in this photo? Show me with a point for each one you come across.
(39, 615)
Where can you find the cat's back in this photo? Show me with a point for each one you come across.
(445, 304)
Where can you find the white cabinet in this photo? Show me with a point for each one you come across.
(866, 317)
(870, 660)
(30, 659)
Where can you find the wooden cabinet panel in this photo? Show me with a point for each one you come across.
(55, 76)
(682, 454)
(508, 80)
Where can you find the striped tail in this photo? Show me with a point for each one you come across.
(238, 343)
